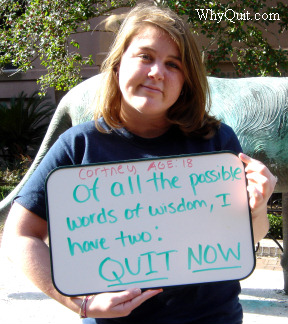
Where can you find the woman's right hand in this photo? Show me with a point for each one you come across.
(119, 304)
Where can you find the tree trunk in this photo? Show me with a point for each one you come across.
(284, 259)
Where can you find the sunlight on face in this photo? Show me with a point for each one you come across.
(150, 76)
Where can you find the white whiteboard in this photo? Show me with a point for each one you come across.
(149, 223)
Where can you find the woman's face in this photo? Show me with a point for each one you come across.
(150, 75)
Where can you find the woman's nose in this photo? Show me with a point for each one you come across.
(156, 72)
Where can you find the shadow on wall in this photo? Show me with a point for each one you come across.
(264, 302)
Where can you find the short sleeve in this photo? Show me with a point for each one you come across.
(228, 139)
(32, 195)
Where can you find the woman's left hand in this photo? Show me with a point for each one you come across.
(261, 182)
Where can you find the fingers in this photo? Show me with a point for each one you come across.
(261, 182)
(256, 197)
(258, 173)
(244, 158)
(252, 164)
(110, 305)
(130, 304)
(126, 295)
(134, 297)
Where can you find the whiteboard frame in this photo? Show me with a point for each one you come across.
(137, 161)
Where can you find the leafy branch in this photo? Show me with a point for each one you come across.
(44, 29)
(235, 33)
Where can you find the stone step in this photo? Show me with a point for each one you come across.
(269, 248)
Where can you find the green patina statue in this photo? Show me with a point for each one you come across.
(257, 110)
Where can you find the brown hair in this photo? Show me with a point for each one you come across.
(191, 109)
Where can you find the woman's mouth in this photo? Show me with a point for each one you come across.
(152, 88)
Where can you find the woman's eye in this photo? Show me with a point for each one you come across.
(145, 57)
(173, 65)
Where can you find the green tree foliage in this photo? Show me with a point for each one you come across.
(276, 229)
(44, 29)
(237, 30)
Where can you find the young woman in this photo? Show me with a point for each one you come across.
(152, 103)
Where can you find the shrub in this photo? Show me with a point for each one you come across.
(275, 226)
(23, 125)
(10, 177)
(5, 190)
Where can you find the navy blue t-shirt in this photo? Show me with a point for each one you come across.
(211, 303)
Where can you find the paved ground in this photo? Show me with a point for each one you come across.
(269, 255)
(262, 297)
